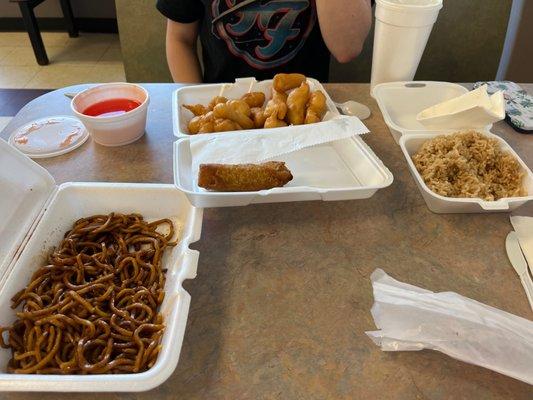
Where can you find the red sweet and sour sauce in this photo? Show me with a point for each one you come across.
(111, 107)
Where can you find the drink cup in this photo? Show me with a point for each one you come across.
(401, 33)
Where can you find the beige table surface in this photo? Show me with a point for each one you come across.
(282, 298)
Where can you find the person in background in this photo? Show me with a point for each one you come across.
(261, 37)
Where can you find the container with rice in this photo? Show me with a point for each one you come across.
(470, 165)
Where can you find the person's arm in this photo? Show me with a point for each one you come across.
(344, 25)
(182, 56)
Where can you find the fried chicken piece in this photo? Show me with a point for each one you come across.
(258, 116)
(194, 125)
(216, 100)
(202, 124)
(296, 102)
(254, 99)
(196, 109)
(284, 82)
(277, 105)
(207, 127)
(225, 125)
(274, 122)
(311, 117)
(317, 103)
(243, 177)
(236, 110)
(316, 107)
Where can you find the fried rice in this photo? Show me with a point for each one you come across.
(469, 164)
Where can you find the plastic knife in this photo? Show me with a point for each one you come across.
(514, 252)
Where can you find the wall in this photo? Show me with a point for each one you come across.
(520, 68)
(142, 39)
(51, 8)
(465, 45)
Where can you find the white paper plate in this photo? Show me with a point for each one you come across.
(49, 137)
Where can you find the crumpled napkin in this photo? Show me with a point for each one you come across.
(475, 109)
(412, 318)
(252, 147)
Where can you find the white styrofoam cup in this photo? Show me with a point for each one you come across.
(401, 33)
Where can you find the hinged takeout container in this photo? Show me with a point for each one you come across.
(345, 169)
(440, 204)
(400, 103)
(202, 94)
(34, 215)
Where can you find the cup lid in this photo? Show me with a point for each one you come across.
(49, 137)
(411, 3)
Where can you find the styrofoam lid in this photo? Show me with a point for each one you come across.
(24, 189)
(419, 3)
(49, 137)
(400, 102)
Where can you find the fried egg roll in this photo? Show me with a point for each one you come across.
(243, 177)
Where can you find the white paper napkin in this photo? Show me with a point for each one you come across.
(411, 318)
(475, 109)
(523, 227)
(253, 147)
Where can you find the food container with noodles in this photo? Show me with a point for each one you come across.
(204, 94)
(34, 215)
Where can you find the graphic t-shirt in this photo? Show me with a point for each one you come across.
(242, 38)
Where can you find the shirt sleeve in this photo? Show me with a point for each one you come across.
(184, 11)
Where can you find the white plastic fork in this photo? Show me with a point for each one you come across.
(514, 252)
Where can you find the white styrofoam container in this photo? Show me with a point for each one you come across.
(440, 204)
(400, 103)
(34, 215)
(346, 169)
(202, 94)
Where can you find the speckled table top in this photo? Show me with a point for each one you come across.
(282, 298)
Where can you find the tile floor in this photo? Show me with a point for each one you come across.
(91, 57)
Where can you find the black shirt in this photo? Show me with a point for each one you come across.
(259, 39)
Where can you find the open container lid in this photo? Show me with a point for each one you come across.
(400, 102)
(49, 136)
(25, 188)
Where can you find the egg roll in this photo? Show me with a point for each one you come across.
(243, 177)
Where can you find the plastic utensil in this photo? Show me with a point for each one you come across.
(519, 264)
(523, 227)
(410, 318)
(354, 109)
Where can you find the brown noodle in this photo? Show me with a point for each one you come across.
(94, 308)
